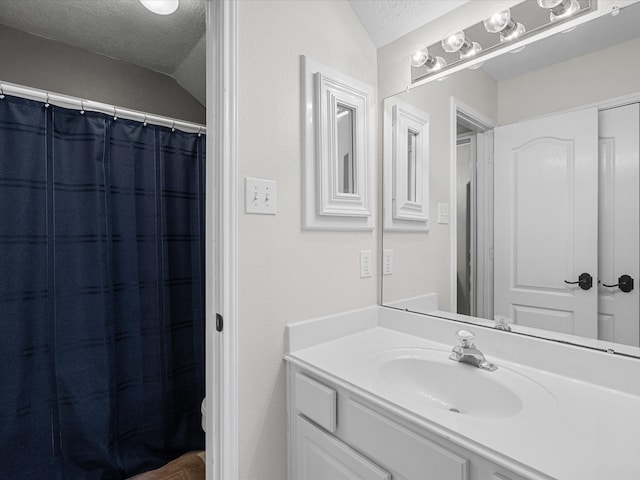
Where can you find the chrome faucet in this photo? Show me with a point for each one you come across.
(467, 352)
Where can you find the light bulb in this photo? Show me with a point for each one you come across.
(474, 49)
(567, 9)
(457, 42)
(498, 21)
(434, 64)
(161, 7)
(549, 3)
(419, 55)
(453, 42)
(560, 8)
(513, 33)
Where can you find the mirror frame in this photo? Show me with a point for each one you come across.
(324, 205)
(401, 213)
(410, 122)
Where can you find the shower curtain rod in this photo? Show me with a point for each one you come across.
(80, 104)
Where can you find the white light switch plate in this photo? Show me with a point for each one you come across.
(443, 213)
(260, 196)
(366, 267)
(387, 261)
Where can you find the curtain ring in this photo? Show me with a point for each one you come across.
(81, 107)
(46, 103)
(1, 92)
(144, 122)
(115, 114)
(199, 131)
(173, 126)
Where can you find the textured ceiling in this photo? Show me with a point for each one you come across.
(121, 29)
(388, 20)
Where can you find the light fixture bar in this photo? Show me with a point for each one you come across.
(498, 21)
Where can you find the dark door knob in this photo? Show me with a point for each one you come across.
(625, 283)
(585, 281)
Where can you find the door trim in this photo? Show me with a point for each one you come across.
(479, 123)
(222, 458)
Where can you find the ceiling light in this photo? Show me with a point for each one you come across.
(560, 9)
(501, 22)
(457, 42)
(420, 56)
(161, 7)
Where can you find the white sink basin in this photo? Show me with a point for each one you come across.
(429, 377)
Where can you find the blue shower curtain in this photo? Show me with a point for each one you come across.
(101, 293)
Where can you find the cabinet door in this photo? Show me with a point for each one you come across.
(323, 457)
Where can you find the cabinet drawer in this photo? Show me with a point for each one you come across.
(323, 457)
(316, 401)
(400, 450)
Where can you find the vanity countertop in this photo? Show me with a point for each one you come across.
(567, 429)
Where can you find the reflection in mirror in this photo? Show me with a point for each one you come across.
(412, 144)
(503, 26)
(547, 195)
(465, 153)
(407, 167)
(344, 122)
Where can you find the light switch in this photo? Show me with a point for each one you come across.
(387, 261)
(260, 196)
(366, 267)
(443, 213)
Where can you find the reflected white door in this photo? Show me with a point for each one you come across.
(619, 131)
(545, 222)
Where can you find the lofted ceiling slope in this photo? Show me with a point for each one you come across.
(124, 30)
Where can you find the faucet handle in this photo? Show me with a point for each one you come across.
(502, 323)
(465, 337)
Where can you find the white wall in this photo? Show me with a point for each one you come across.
(598, 76)
(44, 64)
(286, 274)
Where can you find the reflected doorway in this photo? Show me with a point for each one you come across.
(465, 219)
(472, 206)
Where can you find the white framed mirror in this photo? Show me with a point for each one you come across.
(338, 163)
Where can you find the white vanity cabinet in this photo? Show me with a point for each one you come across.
(336, 434)
(323, 456)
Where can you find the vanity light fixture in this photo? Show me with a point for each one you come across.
(460, 51)
(420, 56)
(161, 7)
(457, 42)
(559, 9)
(503, 23)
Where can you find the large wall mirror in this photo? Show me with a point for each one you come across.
(533, 181)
